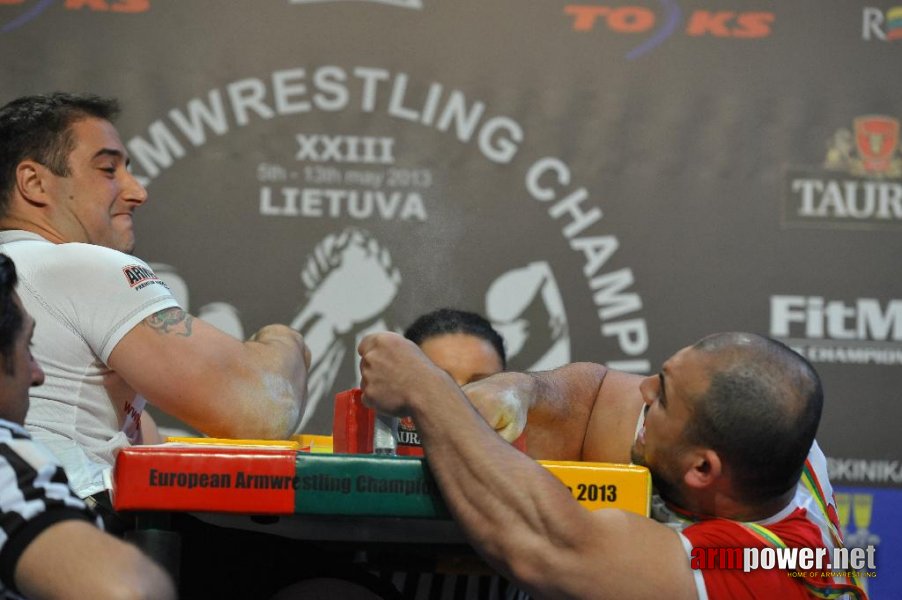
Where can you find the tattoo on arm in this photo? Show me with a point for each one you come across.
(171, 320)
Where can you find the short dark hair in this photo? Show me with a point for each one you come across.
(760, 412)
(450, 320)
(10, 315)
(39, 128)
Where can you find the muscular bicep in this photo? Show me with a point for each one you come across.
(181, 365)
(612, 423)
(562, 402)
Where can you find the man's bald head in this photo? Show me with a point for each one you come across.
(760, 412)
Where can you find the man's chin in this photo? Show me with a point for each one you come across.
(123, 235)
(636, 457)
(666, 490)
(126, 245)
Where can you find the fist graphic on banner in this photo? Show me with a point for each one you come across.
(350, 282)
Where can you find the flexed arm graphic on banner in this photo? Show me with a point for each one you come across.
(350, 282)
(526, 308)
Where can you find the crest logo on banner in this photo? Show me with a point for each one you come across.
(880, 26)
(859, 184)
(874, 152)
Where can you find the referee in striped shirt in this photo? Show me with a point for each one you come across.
(51, 545)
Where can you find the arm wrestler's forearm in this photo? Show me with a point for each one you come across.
(503, 500)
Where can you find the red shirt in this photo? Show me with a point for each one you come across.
(734, 584)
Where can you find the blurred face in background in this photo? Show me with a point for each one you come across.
(464, 356)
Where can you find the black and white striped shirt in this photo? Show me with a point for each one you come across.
(34, 495)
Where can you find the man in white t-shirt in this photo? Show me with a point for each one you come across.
(111, 333)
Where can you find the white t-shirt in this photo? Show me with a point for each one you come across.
(84, 299)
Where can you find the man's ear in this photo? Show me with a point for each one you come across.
(704, 469)
(32, 179)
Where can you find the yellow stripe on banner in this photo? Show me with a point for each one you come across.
(605, 485)
(317, 444)
(320, 444)
(287, 444)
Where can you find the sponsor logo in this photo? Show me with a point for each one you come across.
(409, 443)
(877, 25)
(27, 11)
(862, 331)
(802, 562)
(859, 183)
(414, 4)
(860, 470)
(873, 151)
(656, 27)
(854, 512)
(140, 277)
(407, 433)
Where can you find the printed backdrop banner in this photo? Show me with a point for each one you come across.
(605, 181)
(870, 519)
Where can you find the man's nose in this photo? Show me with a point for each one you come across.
(37, 373)
(648, 389)
(134, 191)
